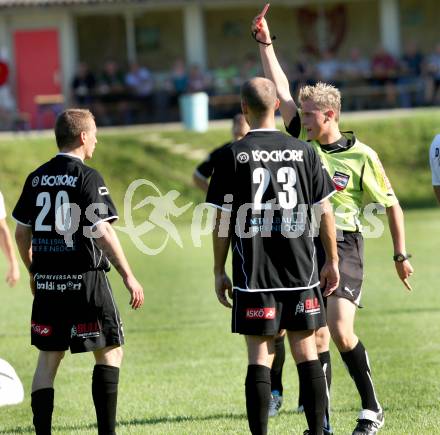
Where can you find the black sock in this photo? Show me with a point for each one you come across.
(105, 396)
(258, 398)
(358, 366)
(313, 389)
(324, 359)
(42, 408)
(276, 372)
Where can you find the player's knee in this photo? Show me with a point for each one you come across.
(342, 339)
(115, 356)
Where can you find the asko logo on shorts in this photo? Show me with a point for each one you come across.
(260, 313)
(43, 330)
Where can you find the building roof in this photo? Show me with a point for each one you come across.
(13, 4)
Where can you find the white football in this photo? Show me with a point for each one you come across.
(11, 388)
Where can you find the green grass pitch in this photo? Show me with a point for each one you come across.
(183, 371)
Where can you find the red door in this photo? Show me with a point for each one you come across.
(37, 66)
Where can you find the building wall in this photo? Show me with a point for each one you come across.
(101, 37)
(363, 28)
(160, 40)
(229, 40)
(228, 33)
(419, 22)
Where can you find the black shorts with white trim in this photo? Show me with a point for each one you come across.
(351, 265)
(74, 310)
(267, 312)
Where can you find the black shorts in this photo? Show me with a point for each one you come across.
(74, 310)
(267, 312)
(351, 265)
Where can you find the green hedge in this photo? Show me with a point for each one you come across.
(168, 158)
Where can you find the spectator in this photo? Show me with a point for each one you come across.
(112, 107)
(328, 68)
(410, 81)
(433, 74)
(384, 74)
(140, 85)
(83, 86)
(179, 78)
(226, 78)
(356, 68)
(198, 80)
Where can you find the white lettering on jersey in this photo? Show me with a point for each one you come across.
(58, 180)
(278, 156)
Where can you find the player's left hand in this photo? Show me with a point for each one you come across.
(136, 292)
(404, 270)
(222, 285)
(13, 275)
(329, 277)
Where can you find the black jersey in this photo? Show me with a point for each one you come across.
(62, 201)
(206, 168)
(269, 182)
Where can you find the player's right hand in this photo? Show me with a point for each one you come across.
(222, 285)
(329, 277)
(261, 30)
(13, 275)
(136, 292)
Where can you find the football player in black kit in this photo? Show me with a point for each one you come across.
(65, 238)
(265, 187)
(204, 171)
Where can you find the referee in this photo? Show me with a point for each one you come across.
(264, 187)
(66, 241)
(356, 170)
(204, 171)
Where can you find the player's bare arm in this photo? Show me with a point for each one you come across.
(221, 247)
(13, 273)
(327, 232)
(272, 69)
(23, 238)
(397, 229)
(112, 248)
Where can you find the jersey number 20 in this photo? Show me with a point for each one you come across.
(62, 211)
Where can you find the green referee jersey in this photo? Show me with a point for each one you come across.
(355, 170)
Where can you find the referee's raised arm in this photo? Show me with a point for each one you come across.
(272, 69)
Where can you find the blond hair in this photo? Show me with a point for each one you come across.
(325, 97)
(70, 124)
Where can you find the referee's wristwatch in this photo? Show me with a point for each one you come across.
(400, 258)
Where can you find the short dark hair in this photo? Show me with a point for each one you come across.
(259, 94)
(70, 124)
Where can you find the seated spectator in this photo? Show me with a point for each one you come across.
(179, 78)
(198, 80)
(83, 86)
(355, 72)
(328, 68)
(250, 68)
(384, 74)
(356, 68)
(432, 69)
(140, 85)
(112, 94)
(410, 81)
(226, 78)
(302, 73)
